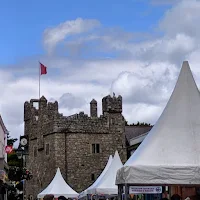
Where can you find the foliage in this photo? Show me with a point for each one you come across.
(13, 160)
(18, 174)
(10, 140)
(14, 192)
(138, 124)
(16, 171)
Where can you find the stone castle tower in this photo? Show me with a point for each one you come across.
(78, 144)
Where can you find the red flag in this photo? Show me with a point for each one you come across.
(43, 69)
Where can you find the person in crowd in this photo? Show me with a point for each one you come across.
(49, 197)
(2, 190)
(195, 197)
(176, 197)
(62, 198)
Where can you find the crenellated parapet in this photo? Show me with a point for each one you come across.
(39, 107)
(38, 116)
(112, 104)
(81, 123)
(42, 117)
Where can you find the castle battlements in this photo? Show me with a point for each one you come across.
(45, 115)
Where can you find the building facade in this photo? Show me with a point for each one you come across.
(79, 145)
(135, 134)
(3, 143)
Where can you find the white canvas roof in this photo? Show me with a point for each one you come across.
(106, 186)
(170, 154)
(58, 187)
(85, 192)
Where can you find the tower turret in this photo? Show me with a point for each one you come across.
(112, 104)
(93, 108)
(42, 102)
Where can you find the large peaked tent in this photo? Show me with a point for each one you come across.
(106, 185)
(170, 154)
(58, 187)
(85, 192)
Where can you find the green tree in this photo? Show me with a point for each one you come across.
(10, 140)
(13, 160)
(138, 124)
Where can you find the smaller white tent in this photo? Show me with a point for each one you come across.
(85, 192)
(58, 187)
(106, 186)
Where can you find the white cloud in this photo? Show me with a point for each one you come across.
(70, 101)
(52, 36)
(168, 49)
(144, 73)
(142, 113)
(164, 2)
(150, 85)
(182, 18)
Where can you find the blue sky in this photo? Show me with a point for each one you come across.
(23, 22)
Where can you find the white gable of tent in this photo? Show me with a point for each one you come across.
(107, 185)
(58, 187)
(85, 192)
(170, 154)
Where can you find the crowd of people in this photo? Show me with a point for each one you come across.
(174, 197)
(178, 197)
(51, 197)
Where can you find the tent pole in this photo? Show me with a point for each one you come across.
(120, 191)
(170, 191)
(126, 192)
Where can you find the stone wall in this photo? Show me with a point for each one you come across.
(70, 141)
(81, 162)
(42, 166)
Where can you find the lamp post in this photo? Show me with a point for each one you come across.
(21, 152)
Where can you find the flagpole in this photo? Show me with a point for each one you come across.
(39, 80)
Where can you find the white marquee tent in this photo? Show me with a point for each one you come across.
(106, 186)
(85, 192)
(170, 154)
(58, 187)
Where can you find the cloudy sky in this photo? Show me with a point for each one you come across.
(134, 48)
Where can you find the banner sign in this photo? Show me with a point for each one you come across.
(145, 190)
(8, 149)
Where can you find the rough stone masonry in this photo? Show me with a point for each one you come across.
(79, 145)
